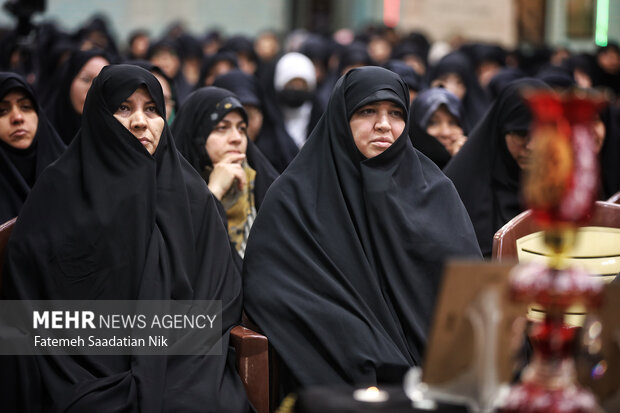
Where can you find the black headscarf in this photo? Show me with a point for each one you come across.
(57, 102)
(345, 257)
(485, 174)
(110, 221)
(19, 168)
(197, 118)
(475, 102)
(422, 108)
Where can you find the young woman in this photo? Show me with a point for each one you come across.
(121, 216)
(211, 133)
(28, 143)
(437, 125)
(345, 257)
(64, 100)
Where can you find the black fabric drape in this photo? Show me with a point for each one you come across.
(345, 257)
(192, 126)
(610, 152)
(45, 148)
(110, 221)
(483, 171)
(57, 101)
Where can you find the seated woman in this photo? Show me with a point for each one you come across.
(28, 143)
(437, 125)
(121, 216)
(487, 170)
(211, 133)
(345, 257)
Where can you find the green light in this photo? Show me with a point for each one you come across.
(602, 22)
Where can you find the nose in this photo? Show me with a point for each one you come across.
(528, 143)
(17, 116)
(383, 122)
(235, 136)
(138, 120)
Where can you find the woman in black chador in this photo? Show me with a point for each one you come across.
(28, 143)
(345, 257)
(63, 98)
(121, 216)
(211, 133)
(487, 170)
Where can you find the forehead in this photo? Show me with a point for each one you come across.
(140, 93)
(383, 103)
(442, 110)
(15, 94)
(233, 116)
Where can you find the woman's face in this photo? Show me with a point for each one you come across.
(229, 136)
(138, 113)
(18, 120)
(83, 80)
(519, 145)
(453, 83)
(444, 127)
(376, 126)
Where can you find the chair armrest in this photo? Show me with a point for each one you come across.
(252, 356)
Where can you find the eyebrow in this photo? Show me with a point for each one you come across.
(18, 100)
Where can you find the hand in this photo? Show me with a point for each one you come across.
(225, 173)
(457, 144)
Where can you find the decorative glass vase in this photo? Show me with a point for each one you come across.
(561, 189)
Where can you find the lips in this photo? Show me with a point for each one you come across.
(382, 142)
(19, 133)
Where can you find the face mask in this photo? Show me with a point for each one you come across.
(294, 98)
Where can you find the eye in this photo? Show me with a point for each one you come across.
(221, 127)
(86, 79)
(243, 128)
(365, 111)
(397, 113)
(151, 109)
(27, 106)
(3, 111)
(123, 107)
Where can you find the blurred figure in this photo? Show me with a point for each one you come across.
(294, 84)
(65, 99)
(166, 55)
(437, 128)
(267, 46)
(138, 43)
(216, 65)
(455, 73)
(246, 88)
(191, 50)
(608, 67)
(412, 79)
(243, 48)
(487, 171)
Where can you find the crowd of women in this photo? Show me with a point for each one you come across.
(318, 184)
